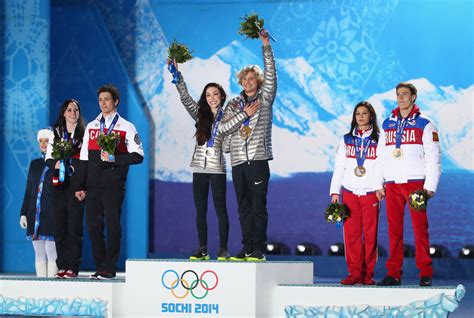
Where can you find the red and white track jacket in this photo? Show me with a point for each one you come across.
(346, 162)
(421, 158)
(108, 174)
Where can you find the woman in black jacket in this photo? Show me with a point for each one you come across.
(68, 212)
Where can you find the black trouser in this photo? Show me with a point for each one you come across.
(251, 186)
(201, 183)
(105, 204)
(68, 214)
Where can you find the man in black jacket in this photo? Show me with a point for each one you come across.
(105, 179)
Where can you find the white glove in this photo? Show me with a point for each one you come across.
(23, 222)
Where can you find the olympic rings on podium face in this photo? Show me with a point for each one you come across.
(187, 289)
(192, 284)
(183, 280)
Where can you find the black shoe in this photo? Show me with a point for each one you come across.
(242, 256)
(223, 254)
(105, 275)
(95, 275)
(256, 256)
(390, 281)
(425, 281)
(200, 255)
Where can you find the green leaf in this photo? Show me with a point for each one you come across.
(62, 150)
(179, 52)
(109, 143)
(248, 27)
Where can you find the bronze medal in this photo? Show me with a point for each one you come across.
(397, 153)
(359, 171)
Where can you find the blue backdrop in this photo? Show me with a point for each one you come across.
(330, 55)
(54, 51)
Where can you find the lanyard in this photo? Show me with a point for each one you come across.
(401, 123)
(210, 142)
(242, 104)
(112, 124)
(361, 155)
(38, 203)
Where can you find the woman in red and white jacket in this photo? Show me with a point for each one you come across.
(357, 177)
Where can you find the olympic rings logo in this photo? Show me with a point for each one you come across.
(172, 280)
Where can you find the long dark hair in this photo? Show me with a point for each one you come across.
(373, 120)
(205, 118)
(60, 123)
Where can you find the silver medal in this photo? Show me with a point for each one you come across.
(210, 152)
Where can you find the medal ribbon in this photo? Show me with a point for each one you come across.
(109, 131)
(361, 155)
(401, 123)
(62, 163)
(38, 203)
(242, 104)
(112, 124)
(210, 142)
(173, 72)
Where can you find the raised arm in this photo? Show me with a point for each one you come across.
(188, 102)
(269, 85)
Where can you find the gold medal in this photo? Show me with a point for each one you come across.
(359, 171)
(245, 132)
(397, 153)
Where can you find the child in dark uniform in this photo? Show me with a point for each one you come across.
(36, 215)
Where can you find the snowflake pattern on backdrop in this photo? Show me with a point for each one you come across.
(26, 78)
(338, 38)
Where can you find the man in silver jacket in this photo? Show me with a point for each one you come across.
(250, 150)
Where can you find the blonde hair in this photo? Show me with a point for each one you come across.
(251, 68)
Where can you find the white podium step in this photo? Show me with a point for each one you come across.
(334, 300)
(58, 297)
(177, 288)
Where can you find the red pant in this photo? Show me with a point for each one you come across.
(360, 233)
(397, 197)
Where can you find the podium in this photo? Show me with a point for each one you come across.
(176, 288)
(182, 288)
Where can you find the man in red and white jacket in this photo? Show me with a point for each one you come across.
(105, 179)
(411, 160)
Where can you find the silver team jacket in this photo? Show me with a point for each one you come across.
(215, 164)
(259, 145)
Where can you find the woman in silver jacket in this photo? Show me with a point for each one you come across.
(208, 161)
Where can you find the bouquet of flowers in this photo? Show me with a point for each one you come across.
(251, 25)
(419, 200)
(179, 52)
(336, 213)
(62, 149)
(108, 142)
